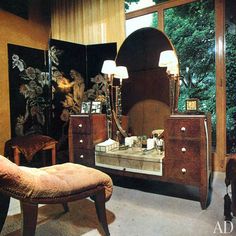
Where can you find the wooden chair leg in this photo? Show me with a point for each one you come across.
(99, 199)
(4, 205)
(16, 155)
(54, 161)
(44, 158)
(65, 206)
(29, 213)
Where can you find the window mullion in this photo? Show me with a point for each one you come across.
(220, 84)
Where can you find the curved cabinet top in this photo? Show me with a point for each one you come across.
(141, 49)
(145, 94)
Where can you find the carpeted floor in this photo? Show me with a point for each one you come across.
(137, 208)
(53, 221)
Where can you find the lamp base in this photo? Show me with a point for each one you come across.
(172, 94)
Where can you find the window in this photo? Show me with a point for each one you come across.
(149, 20)
(208, 17)
(137, 4)
(230, 75)
(194, 40)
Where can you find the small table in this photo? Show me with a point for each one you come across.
(30, 145)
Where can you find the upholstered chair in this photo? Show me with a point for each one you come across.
(60, 183)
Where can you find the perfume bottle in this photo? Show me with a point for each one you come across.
(160, 146)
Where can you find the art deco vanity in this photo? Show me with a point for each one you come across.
(145, 99)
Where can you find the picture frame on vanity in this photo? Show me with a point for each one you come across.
(85, 108)
(192, 105)
(96, 107)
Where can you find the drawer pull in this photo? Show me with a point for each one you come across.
(183, 149)
(184, 170)
(80, 125)
(183, 129)
(81, 156)
(81, 141)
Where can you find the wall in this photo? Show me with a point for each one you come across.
(33, 32)
(88, 21)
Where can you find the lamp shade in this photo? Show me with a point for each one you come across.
(172, 69)
(167, 58)
(121, 72)
(108, 67)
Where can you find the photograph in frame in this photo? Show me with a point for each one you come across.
(85, 107)
(96, 107)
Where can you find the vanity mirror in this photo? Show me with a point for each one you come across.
(146, 94)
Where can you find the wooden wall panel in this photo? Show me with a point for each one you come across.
(33, 32)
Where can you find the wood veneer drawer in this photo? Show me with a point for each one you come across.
(82, 141)
(84, 157)
(182, 172)
(183, 150)
(80, 125)
(183, 128)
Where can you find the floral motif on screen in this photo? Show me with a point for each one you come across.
(98, 90)
(35, 104)
(72, 87)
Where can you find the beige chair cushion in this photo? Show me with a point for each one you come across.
(55, 181)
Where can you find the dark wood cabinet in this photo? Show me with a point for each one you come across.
(188, 152)
(85, 131)
(187, 156)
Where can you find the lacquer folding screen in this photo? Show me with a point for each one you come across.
(47, 86)
(30, 91)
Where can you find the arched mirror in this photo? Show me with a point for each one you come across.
(145, 95)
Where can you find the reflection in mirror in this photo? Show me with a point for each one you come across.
(145, 95)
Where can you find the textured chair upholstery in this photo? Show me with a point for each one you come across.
(54, 184)
(29, 145)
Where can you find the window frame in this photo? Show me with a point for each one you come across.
(220, 65)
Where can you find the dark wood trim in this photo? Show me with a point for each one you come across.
(174, 3)
(156, 8)
(220, 85)
(161, 20)
(141, 12)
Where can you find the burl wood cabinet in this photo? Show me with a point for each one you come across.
(146, 103)
(188, 152)
(186, 160)
(85, 131)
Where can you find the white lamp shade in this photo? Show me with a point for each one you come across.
(121, 72)
(167, 57)
(172, 69)
(108, 67)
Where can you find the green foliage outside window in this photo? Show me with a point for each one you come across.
(231, 75)
(192, 31)
(191, 28)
